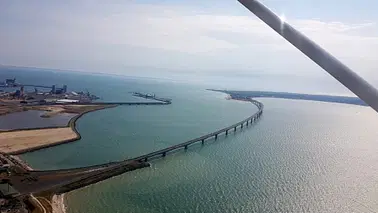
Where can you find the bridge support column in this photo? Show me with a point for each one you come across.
(216, 136)
(164, 154)
(226, 132)
(235, 129)
(241, 126)
(203, 141)
(145, 159)
(247, 123)
(186, 147)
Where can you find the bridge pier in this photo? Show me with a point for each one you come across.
(216, 136)
(235, 129)
(247, 123)
(203, 141)
(186, 147)
(226, 132)
(145, 159)
(164, 154)
(241, 126)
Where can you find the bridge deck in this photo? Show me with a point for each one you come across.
(159, 153)
(61, 181)
(162, 153)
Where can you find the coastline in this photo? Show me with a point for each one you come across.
(16, 144)
(57, 201)
(57, 204)
(294, 96)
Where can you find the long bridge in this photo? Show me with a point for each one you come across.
(64, 180)
(202, 139)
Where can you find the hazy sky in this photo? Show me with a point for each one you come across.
(175, 37)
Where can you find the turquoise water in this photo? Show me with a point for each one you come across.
(301, 156)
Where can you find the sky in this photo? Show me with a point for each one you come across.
(169, 38)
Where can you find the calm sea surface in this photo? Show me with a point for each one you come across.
(301, 156)
(33, 119)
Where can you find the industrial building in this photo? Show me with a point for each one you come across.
(10, 82)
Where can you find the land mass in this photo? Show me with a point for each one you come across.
(293, 96)
(21, 141)
(23, 189)
(36, 191)
(18, 141)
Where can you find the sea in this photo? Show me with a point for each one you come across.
(302, 156)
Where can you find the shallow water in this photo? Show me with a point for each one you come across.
(33, 119)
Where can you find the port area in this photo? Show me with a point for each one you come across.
(47, 115)
(25, 190)
(18, 97)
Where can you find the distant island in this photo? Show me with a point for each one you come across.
(293, 96)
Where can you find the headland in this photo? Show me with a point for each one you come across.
(293, 96)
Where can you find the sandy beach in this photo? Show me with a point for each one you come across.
(13, 142)
(57, 204)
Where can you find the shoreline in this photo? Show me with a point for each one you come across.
(57, 201)
(294, 96)
(71, 124)
(19, 136)
(57, 204)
